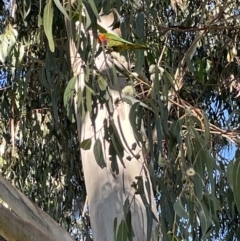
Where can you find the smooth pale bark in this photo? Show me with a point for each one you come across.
(25, 219)
(108, 191)
(13, 228)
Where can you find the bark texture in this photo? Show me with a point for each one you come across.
(108, 189)
(24, 220)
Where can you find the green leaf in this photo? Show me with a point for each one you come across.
(115, 77)
(86, 144)
(199, 168)
(122, 233)
(149, 222)
(42, 78)
(126, 207)
(98, 153)
(176, 128)
(116, 141)
(205, 218)
(139, 55)
(151, 134)
(68, 96)
(79, 98)
(113, 158)
(206, 125)
(163, 189)
(140, 25)
(195, 121)
(236, 181)
(180, 210)
(191, 207)
(238, 233)
(94, 9)
(21, 53)
(106, 7)
(163, 119)
(115, 229)
(134, 145)
(40, 21)
(132, 118)
(60, 7)
(89, 19)
(89, 100)
(102, 83)
(70, 89)
(128, 219)
(158, 123)
(47, 24)
(188, 143)
(26, 9)
(230, 173)
(213, 205)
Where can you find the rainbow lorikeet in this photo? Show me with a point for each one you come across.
(112, 41)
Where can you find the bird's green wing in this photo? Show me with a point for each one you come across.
(114, 37)
(117, 40)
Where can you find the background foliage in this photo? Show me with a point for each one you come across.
(195, 181)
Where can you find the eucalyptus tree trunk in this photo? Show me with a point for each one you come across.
(119, 189)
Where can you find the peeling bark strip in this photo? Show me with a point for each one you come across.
(116, 179)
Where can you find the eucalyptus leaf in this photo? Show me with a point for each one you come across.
(180, 209)
(140, 25)
(94, 9)
(86, 144)
(116, 141)
(88, 100)
(149, 222)
(132, 118)
(102, 83)
(139, 60)
(98, 153)
(206, 125)
(68, 97)
(60, 7)
(42, 78)
(204, 217)
(122, 233)
(199, 168)
(115, 228)
(47, 24)
(236, 181)
(230, 173)
(176, 128)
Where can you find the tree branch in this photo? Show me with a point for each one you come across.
(31, 217)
